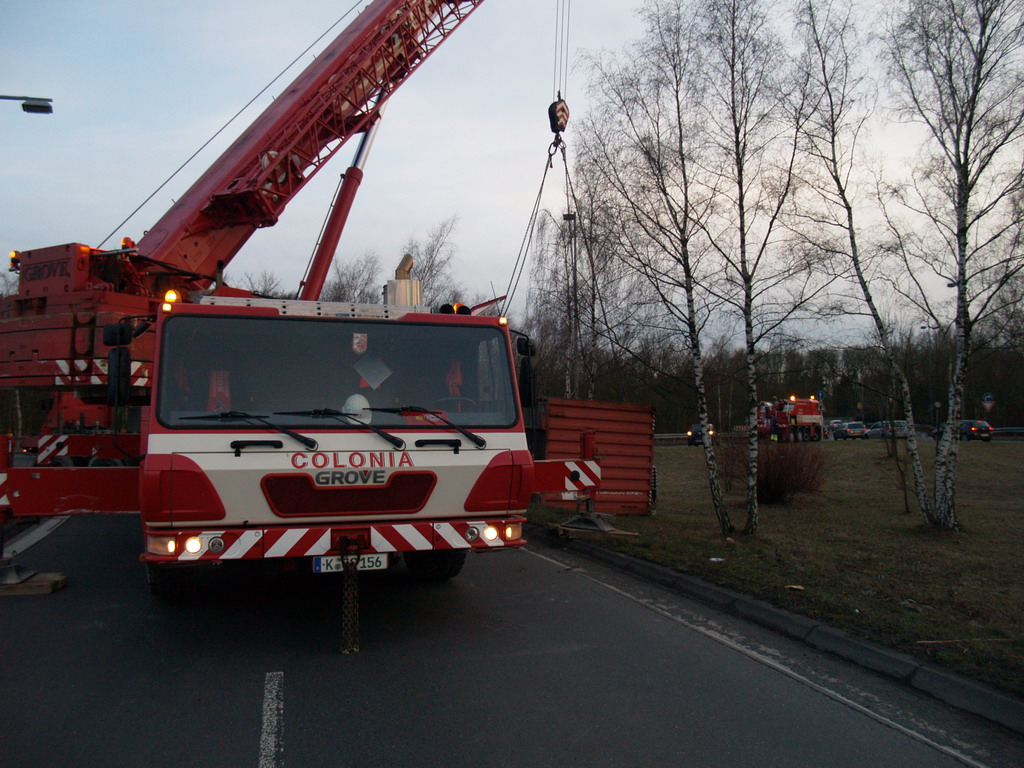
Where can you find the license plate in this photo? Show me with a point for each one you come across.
(336, 563)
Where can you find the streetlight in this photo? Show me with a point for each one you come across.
(33, 104)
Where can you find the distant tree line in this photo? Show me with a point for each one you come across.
(855, 380)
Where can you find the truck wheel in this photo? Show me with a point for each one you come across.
(170, 582)
(97, 461)
(436, 565)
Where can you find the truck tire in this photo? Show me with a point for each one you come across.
(170, 582)
(436, 565)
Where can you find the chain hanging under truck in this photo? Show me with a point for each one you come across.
(350, 600)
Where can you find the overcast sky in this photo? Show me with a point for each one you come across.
(139, 86)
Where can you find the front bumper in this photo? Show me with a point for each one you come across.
(246, 543)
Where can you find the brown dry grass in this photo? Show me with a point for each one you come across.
(864, 563)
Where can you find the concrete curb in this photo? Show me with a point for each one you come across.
(1002, 708)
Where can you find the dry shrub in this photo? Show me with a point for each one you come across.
(783, 469)
(788, 468)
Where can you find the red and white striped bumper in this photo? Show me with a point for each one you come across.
(256, 543)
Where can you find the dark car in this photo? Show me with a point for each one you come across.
(975, 429)
(898, 429)
(851, 431)
(695, 434)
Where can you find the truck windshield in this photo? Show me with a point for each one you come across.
(292, 371)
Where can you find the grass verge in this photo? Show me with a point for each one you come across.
(852, 556)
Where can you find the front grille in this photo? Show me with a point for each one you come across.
(298, 496)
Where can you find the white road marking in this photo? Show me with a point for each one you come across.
(719, 638)
(271, 742)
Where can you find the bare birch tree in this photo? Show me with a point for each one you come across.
(752, 124)
(958, 66)
(838, 108)
(641, 147)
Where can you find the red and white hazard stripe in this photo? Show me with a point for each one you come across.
(51, 446)
(427, 536)
(140, 374)
(581, 475)
(309, 542)
(74, 372)
(94, 371)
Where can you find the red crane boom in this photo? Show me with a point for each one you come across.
(337, 96)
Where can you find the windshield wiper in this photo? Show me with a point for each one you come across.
(478, 441)
(309, 442)
(345, 418)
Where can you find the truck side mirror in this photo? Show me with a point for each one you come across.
(117, 334)
(119, 376)
(525, 351)
(121, 334)
(526, 382)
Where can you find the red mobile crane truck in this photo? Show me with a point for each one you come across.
(240, 427)
(795, 419)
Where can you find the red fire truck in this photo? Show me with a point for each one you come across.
(241, 427)
(795, 419)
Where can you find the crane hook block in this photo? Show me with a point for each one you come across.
(558, 115)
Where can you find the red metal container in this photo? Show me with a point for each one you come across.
(624, 445)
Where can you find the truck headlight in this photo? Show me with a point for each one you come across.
(161, 545)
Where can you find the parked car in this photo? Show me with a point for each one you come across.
(695, 434)
(975, 429)
(879, 429)
(899, 429)
(851, 431)
(834, 426)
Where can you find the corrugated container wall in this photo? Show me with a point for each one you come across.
(625, 445)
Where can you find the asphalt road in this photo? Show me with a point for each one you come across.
(529, 658)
